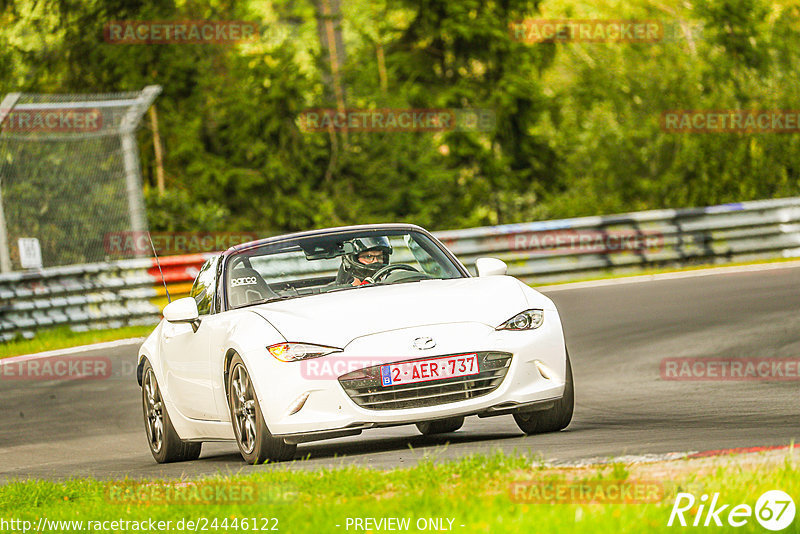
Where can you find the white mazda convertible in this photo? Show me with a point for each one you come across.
(327, 333)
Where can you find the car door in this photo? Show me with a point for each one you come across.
(187, 354)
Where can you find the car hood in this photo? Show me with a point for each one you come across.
(335, 319)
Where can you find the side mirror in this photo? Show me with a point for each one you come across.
(490, 267)
(183, 311)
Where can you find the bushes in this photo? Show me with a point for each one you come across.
(577, 123)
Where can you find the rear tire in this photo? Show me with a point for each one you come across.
(442, 426)
(165, 444)
(255, 441)
(553, 419)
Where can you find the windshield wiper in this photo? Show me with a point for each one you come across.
(271, 299)
(346, 288)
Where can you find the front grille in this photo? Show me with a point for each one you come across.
(364, 385)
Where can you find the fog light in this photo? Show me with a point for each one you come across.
(298, 403)
(545, 371)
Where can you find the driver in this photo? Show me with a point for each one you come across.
(370, 255)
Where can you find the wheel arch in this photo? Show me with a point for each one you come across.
(144, 356)
(226, 367)
(147, 351)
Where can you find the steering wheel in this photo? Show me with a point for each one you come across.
(382, 272)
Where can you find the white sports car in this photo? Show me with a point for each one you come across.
(326, 333)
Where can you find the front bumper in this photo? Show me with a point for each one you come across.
(365, 386)
(301, 405)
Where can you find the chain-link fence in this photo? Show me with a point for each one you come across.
(69, 173)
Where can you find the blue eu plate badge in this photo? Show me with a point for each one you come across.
(386, 375)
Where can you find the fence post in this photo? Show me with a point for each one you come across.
(5, 255)
(130, 156)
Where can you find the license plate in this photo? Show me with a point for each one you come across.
(433, 369)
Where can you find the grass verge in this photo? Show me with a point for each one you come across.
(63, 337)
(474, 493)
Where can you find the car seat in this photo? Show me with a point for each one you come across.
(246, 286)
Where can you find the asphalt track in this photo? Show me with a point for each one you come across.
(617, 336)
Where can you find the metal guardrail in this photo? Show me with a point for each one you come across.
(128, 292)
(92, 296)
(569, 249)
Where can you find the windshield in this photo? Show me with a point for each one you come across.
(319, 264)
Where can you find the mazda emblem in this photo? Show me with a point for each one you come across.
(424, 343)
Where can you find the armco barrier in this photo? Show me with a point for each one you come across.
(92, 296)
(130, 292)
(551, 251)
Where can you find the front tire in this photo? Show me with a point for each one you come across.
(553, 419)
(442, 426)
(255, 441)
(165, 444)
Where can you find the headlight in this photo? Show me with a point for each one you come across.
(292, 352)
(527, 320)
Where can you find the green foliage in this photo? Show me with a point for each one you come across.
(577, 133)
(62, 337)
(478, 493)
(605, 114)
(176, 211)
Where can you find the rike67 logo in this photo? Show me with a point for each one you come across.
(774, 510)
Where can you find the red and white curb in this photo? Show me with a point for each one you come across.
(637, 279)
(666, 457)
